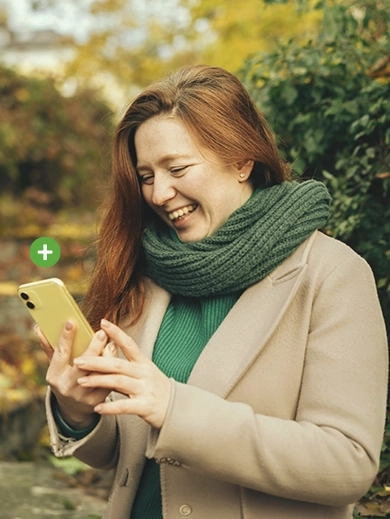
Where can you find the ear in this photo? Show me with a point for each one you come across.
(244, 169)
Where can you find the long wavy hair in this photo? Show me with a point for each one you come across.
(221, 117)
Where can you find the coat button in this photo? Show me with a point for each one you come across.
(185, 510)
(162, 460)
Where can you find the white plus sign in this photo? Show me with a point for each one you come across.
(45, 252)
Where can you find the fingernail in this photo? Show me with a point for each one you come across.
(78, 361)
(81, 380)
(105, 323)
(101, 335)
(68, 325)
(98, 408)
(35, 329)
(112, 347)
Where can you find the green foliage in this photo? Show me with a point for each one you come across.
(70, 465)
(49, 141)
(329, 103)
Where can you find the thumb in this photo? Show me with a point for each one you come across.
(63, 350)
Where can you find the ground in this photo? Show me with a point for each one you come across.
(36, 489)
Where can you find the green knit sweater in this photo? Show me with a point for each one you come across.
(188, 324)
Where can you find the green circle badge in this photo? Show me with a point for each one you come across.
(45, 252)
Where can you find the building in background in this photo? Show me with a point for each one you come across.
(34, 51)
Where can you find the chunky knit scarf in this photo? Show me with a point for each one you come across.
(255, 239)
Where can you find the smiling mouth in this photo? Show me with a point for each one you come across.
(184, 211)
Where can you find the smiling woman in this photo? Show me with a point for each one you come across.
(187, 185)
(244, 372)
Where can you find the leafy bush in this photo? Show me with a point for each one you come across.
(329, 103)
(52, 143)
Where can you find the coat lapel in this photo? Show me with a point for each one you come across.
(145, 331)
(246, 329)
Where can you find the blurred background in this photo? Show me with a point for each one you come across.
(319, 69)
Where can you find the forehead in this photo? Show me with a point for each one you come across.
(164, 134)
(156, 127)
(168, 136)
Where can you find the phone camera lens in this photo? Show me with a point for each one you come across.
(30, 305)
(24, 296)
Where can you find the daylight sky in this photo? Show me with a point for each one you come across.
(67, 18)
(71, 16)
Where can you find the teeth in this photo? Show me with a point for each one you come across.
(182, 212)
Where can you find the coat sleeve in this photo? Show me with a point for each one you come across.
(330, 453)
(99, 448)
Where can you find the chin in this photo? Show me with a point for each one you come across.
(189, 237)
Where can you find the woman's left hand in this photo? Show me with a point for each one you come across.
(137, 377)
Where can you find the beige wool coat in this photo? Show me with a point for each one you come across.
(283, 414)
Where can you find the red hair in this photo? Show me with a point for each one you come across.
(221, 117)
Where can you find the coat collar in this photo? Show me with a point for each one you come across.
(243, 333)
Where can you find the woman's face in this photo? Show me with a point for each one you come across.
(188, 186)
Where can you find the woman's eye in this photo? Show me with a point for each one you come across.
(147, 179)
(178, 169)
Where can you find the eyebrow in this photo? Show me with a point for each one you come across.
(165, 159)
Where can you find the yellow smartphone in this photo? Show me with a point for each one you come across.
(51, 304)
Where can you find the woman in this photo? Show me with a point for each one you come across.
(251, 373)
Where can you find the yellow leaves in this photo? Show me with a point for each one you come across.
(378, 502)
(63, 231)
(28, 367)
(13, 396)
(57, 231)
(11, 374)
(377, 509)
(21, 366)
(44, 437)
(26, 231)
(385, 492)
(22, 94)
(243, 28)
(107, 6)
(11, 392)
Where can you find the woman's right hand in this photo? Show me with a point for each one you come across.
(75, 403)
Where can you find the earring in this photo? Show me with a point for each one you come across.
(242, 175)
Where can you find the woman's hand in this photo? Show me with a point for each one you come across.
(136, 376)
(76, 403)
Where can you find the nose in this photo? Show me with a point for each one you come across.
(163, 189)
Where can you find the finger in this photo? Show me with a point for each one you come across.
(107, 365)
(120, 383)
(63, 350)
(110, 350)
(130, 349)
(121, 406)
(97, 344)
(46, 346)
(133, 406)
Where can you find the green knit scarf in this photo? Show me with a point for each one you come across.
(255, 239)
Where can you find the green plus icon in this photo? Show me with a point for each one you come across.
(45, 252)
